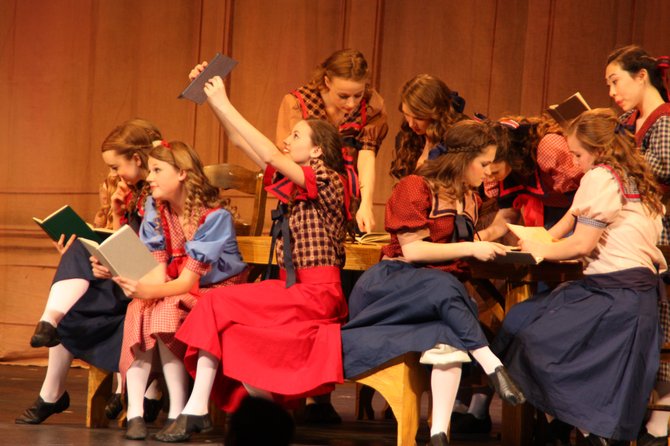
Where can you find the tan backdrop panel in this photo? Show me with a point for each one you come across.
(70, 70)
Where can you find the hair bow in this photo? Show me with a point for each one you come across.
(457, 102)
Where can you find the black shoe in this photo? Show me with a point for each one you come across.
(136, 429)
(44, 336)
(439, 440)
(505, 387)
(114, 406)
(646, 439)
(41, 410)
(470, 424)
(152, 408)
(596, 440)
(558, 433)
(183, 427)
(321, 413)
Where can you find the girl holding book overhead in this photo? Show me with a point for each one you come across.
(193, 239)
(638, 83)
(429, 109)
(84, 313)
(533, 175)
(587, 353)
(276, 338)
(413, 300)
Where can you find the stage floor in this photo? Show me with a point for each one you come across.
(19, 386)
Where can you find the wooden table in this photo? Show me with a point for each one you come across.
(521, 282)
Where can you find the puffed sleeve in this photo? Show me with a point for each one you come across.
(554, 158)
(288, 116)
(409, 206)
(376, 127)
(598, 200)
(657, 153)
(151, 232)
(210, 241)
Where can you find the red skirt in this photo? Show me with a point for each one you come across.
(282, 340)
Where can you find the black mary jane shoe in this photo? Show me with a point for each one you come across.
(41, 410)
(439, 440)
(136, 429)
(505, 387)
(44, 336)
(152, 408)
(558, 433)
(114, 406)
(646, 439)
(467, 423)
(183, 427)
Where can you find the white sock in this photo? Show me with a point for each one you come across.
(136, 382)
(205, 374)
(119, 383)
(486, 359)
(479, 405)
(658, 422)
(62, 296)
(258, 393)
(59, 363)
(444, 381)
(153, 392)
(176, 379)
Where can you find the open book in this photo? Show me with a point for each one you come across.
(568, 110)
(66, 221)
(535, 233)
(518, 257)
(123, 253)
(374, 238)
(219, 66)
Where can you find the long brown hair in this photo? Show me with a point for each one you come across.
(464, 141)
(199, 191)
(633, 59)
(518, 146)
(133, 138)
(346, 64)
(427, 97)
(600, 133)
(326, 136)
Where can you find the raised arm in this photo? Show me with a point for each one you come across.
(264, 151)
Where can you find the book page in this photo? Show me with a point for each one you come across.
(373, 238)
(535, 233)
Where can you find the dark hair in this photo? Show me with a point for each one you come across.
(464, 141)
(600, 133)
(429, 98)
(326, 136)
(518, 146)
(633, 59)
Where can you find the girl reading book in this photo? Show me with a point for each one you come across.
(587, 353)
(193, 239)
(429, 109)
(276, 338)
(638, 84)
(84, 313)
(413, 300)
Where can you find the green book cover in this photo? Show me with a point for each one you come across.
(66, 221)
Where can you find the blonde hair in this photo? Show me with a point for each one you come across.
(103, 218)
(346, 64)
(600, 133)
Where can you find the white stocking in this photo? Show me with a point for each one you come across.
(486, 359)
(136, 382)
(62, 296)
(444, 381)
(658, 422)
(258, 393)
(59, 363)
(176, 379)
(205, 374)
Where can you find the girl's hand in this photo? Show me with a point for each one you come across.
(99, 270)
(216, 92)
(536, 248)
(61, 246)
(486, 251)
(195, 72)
(119, 198)
(132, 288)
(365, 219)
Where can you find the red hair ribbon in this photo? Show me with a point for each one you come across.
(511, 123)
(165, 144)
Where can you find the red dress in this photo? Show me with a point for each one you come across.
(283, 340)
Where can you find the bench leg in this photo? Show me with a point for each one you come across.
(99, 391)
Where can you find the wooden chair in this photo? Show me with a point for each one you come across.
(401, 382)
(225, 177)
(231, 176)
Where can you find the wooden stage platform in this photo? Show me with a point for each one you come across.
(19, 386)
